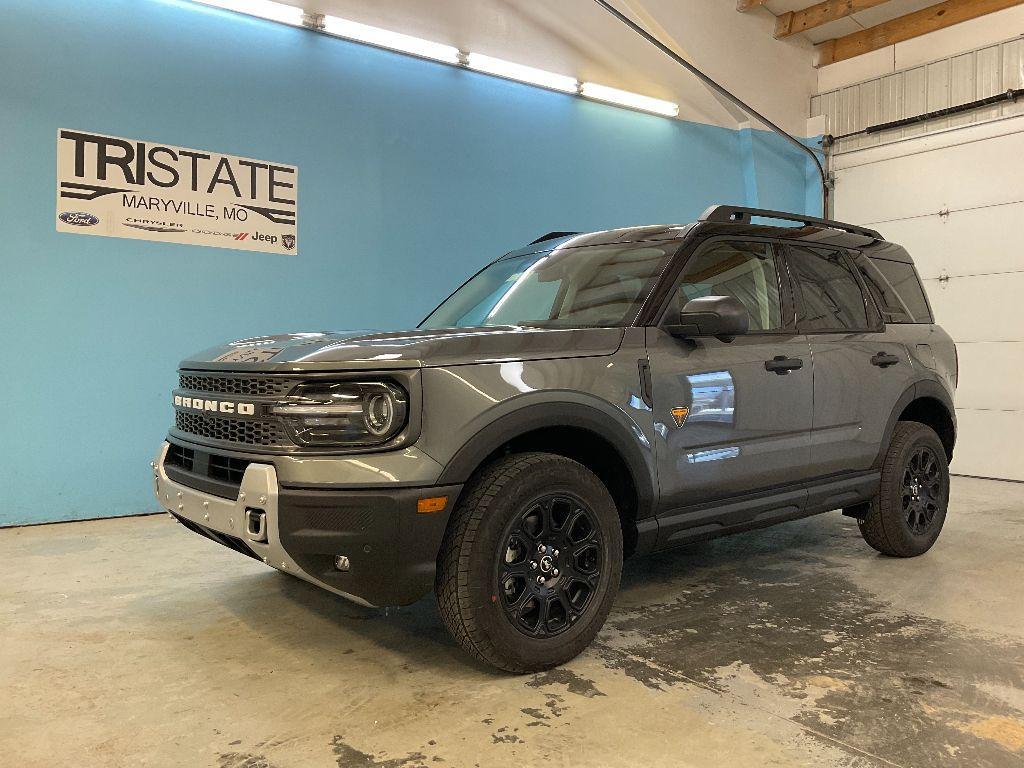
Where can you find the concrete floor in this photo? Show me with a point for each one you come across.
(133, 642)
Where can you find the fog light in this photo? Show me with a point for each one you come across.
(341, 563)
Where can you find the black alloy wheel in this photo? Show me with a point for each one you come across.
(922, 488)
(549, 565)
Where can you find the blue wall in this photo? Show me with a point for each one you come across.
(411, 175)
(772, 164)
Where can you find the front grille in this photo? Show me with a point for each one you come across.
(231, 430)
(205, 471)
(224, 472)
(259, 386)
(180, 456)
(260, 390)
(226, 468)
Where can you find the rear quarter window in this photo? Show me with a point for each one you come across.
(897, 289)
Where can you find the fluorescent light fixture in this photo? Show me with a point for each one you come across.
(627, 99)
(265, 9)
(395, 41)
(521, 72)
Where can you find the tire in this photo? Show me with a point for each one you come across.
(906, 515)
(485, 581)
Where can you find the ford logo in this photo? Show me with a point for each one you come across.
(78, 219)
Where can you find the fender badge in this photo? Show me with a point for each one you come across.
(679, 415)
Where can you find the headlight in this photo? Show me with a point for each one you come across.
(344, 413)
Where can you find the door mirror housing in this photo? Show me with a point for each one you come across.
(723, 317)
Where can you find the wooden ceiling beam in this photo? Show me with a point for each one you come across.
(930, 19)
(795, 22)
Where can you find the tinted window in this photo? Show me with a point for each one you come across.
(595, 286)
(906, 287)
(745, 271)
(886, 299)
(832, 298)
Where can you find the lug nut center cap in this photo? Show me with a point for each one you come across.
(545, 564)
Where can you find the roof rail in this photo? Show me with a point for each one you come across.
(738, 215)
(552, 236)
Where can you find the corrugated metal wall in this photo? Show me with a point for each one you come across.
(944, 83)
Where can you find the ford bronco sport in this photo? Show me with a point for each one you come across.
(579, 400)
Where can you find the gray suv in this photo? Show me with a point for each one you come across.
(579, 400)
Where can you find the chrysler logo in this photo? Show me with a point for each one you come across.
(214, 406)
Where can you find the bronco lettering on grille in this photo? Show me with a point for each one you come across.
(214, 406)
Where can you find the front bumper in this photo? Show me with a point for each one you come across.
(391, 548)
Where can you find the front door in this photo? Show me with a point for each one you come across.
(731, 418)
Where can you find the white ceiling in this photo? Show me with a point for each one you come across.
(853, 23)
(580, 39)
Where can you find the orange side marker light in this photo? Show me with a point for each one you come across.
(431, 504)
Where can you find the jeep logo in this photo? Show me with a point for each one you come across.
(214, 406)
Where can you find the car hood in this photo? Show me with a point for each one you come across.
(371, 350)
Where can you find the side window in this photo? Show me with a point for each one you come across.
(745, 271)
(907, 286)
(888, 301)
(831, 296)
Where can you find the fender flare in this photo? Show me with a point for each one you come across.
(569, 410)
(919, 389)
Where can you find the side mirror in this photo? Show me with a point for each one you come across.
(723, 317)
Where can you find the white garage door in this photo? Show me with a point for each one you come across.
(956, 201)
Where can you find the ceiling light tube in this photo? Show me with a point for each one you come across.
(627, 99)
(394, 41)
(522, 73)
(265, 9)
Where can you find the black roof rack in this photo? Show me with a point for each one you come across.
(738, 215)
(552, 236)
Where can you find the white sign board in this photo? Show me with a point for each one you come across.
(116, 187)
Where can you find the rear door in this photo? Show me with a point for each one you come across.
(726, 423)
(859, 372)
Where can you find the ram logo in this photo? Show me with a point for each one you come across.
(214, 406)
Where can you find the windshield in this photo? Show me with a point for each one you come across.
(591, 287)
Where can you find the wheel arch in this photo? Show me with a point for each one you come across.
(601, 438)
(927, 402)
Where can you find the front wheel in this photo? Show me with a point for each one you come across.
(530, 563)
(906, 515)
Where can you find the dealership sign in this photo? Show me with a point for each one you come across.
(118, 187)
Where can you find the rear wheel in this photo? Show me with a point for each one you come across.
(906, 515)
(530, 563)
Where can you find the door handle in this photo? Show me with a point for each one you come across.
(884, 360)
(782, 365)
